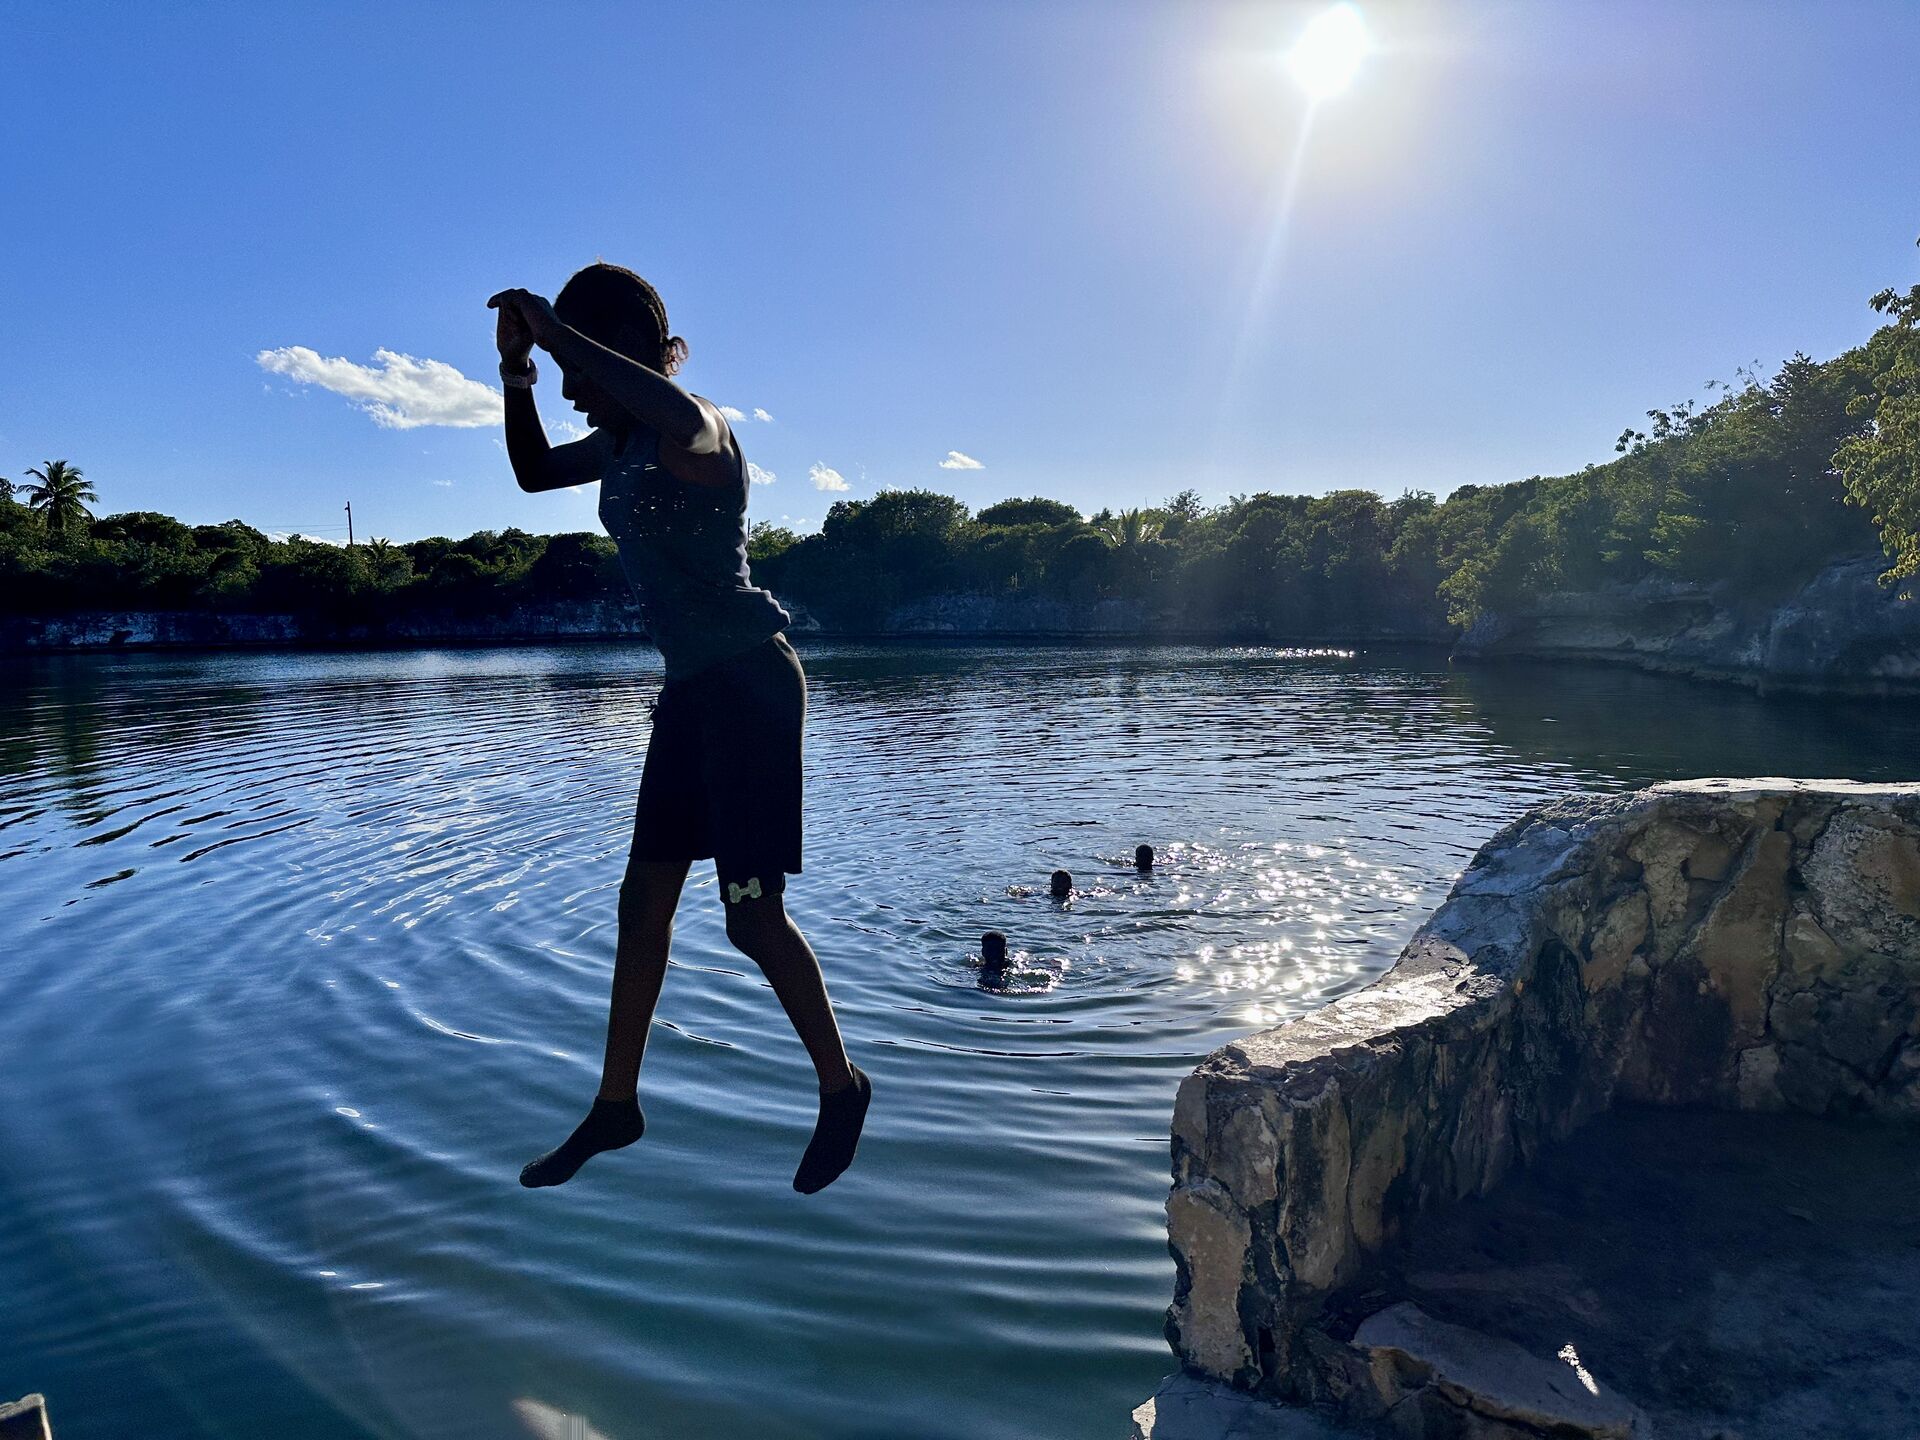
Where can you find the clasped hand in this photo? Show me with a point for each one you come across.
(525, 320)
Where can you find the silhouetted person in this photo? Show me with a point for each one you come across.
(722, 774)
(1143, 857)
(1062, 884)
(993, 954)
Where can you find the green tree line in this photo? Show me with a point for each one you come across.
(1752, 490)
(143, 560)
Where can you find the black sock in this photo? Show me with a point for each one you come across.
(836, 1136)
(608, 1126)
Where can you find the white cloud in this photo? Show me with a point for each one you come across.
(759, 476)
(733, 414)
(762, 416)
(444, 484)
(956, 461)
(398, 392)
(825, 477)
(566, 430)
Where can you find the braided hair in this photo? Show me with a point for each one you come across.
(611, 304)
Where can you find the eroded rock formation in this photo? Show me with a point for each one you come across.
(1842, 632)
(1742, 945)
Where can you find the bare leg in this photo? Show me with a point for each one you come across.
(648, 896)
(763, 932)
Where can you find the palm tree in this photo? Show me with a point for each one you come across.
(1130, 529)
(389, 565)
(61, 495)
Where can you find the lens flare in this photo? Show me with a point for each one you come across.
(1328, 53)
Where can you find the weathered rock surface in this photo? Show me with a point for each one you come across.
(1740, 945)
(1417, 1360)
(1842, 632)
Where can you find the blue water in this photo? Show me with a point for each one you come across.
(305, 955)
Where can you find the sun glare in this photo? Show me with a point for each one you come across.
(1324, 59)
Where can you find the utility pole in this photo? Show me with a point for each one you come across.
(349, 524)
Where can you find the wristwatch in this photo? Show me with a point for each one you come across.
(519, 379)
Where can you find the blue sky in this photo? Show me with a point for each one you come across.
(1029, 233)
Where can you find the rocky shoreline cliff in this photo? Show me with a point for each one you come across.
(955, 617)
(111, 630)
(1841, 633)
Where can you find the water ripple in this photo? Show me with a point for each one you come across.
(261, 1153)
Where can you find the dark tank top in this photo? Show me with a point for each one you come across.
(684, 549)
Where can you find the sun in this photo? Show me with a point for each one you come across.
(1328, 53)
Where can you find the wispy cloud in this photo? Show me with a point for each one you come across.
(398, 392)
(759, 476)
(732, 413)
(956, 461)
(566, 430)
(825, 477)
(762, 416)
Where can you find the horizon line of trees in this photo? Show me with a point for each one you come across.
(1752, 492)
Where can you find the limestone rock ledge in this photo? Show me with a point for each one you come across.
(1736, 944)
(1841, 633)
(219, 630)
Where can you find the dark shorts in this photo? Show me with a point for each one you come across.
(722, 777)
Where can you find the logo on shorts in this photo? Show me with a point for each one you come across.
(748, 891)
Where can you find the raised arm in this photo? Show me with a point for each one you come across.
(537, 463)
(697, 447)
(647, 395)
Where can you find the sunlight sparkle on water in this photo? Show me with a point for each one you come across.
(1326, 57)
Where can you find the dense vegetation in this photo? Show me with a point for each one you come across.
(1754, 491)
(1880, 460)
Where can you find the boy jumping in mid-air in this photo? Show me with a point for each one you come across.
(722, 774)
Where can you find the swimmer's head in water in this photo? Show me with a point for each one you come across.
(612, 305)
(1062, 884)
(1143, 857)
(993, 950)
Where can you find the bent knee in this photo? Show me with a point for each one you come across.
(751, 921)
